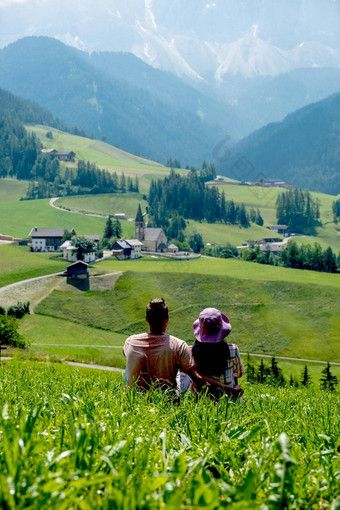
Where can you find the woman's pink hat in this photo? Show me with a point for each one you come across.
(211, 326)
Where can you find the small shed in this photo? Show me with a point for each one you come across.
(172, 248)
(78, 270)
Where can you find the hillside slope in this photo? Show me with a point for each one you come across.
(303, 149)
(66, 81)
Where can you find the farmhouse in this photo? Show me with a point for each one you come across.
(70, 253)
(153, 239)
(61, 155)
(273, 183)
(129, 249)
(279, 229)
(48, 239)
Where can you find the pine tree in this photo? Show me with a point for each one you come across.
(250, 371)
(261, 373)
(328, 381)
(116, 229)
(305, 380)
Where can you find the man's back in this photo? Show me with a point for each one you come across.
(156, 358)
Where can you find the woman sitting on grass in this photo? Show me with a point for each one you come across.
(214, 357)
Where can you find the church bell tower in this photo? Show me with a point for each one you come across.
(139, 224)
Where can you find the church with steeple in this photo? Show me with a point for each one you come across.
(153, 239)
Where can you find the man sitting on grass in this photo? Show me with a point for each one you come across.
(155, 358)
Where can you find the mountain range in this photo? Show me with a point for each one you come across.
(202, 40)
(88, 91)
(303, 149)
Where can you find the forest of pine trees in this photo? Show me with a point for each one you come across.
(177, 197)
(297, 209)
(49, 179)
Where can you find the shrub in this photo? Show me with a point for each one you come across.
(9, 334)
(19, 310)
(2, 310)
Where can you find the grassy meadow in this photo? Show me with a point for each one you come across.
(103, 155)
(110, 203)
(73, 439)
(18, 218)
(269, 317)
(18, 263)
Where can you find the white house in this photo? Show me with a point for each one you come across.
(136, 248)
(48, 239)
(70, 253)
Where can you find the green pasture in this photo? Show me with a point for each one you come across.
(18, 263)
(11, 190)
(18, 218)
(222, 267)
(220, 233)
(110, 203)
(101, 153)
(53, 338)
(95, 445)
(268, 317)
(70, 341)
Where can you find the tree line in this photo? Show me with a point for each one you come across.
(298, 210)
(306, 256)
(273, 375)
(176, 198)
(48, 179)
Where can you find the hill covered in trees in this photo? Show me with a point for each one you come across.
(303, 149)
(79, 89)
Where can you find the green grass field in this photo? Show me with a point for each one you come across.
(267, 317)
(72, 439)
(18, 218)
(11, 190)
(103, 155)
(105, 204)
(18, 263)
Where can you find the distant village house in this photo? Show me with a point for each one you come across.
(273, 183)
(48, 239)
(279, 229)
(61, 155)
(128, 249)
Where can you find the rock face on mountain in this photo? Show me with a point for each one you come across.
(198, 39)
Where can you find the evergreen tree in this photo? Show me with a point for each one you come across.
(116, 229)
(261, 373)
(305, 380)
(250, 371)
(327, 380)
(108, 231)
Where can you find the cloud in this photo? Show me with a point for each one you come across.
(7, 3)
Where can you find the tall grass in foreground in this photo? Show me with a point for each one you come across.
(71, 439)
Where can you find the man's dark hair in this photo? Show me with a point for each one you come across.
(156, 314)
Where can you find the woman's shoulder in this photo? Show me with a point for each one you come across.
(233, 349)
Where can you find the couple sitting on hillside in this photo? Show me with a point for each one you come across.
(156, 358)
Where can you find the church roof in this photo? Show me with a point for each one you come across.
(152, 234)
(139, 216)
